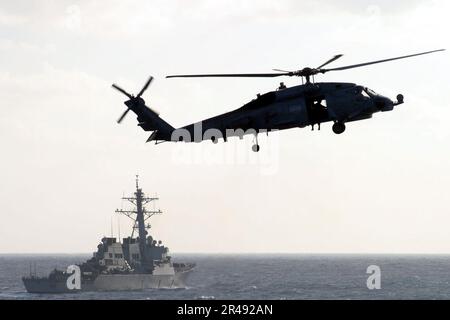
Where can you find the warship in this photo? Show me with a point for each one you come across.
(136, 263)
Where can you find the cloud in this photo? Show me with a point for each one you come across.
(8, 19)
(73, 19)
(11, 47)
(56, 82)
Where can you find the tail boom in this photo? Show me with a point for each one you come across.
(149, 120)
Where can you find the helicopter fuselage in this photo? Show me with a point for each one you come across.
(298, 106)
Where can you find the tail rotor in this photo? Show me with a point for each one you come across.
(133, 101)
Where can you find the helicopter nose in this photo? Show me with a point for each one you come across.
(384, 103)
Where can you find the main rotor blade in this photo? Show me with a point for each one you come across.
(145, 86)
(240, 75)
(379, 61)
(121, 90)
(331, 60)
(122, 116)
(279, 70)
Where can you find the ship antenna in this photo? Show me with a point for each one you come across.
(139, 215)
(118, 226)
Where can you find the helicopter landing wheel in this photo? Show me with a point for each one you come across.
(255, 148)
(338, 127)
(214, 140)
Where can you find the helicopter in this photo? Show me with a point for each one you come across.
(308, 104)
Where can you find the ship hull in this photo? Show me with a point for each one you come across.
(109, 282)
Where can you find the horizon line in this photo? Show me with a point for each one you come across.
(245, 253)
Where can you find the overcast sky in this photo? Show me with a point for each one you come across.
(381, 187)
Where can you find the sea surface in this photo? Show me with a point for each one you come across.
(262, 277)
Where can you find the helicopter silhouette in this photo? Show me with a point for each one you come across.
(308, 104)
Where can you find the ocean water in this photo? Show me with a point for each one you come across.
(263, 277)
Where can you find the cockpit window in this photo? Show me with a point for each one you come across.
(365, 94)
(370, 92)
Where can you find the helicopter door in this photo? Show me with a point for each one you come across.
(317, 109)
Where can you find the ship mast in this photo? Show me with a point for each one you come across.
(140, 215)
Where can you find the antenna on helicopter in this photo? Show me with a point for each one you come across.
(306, 72)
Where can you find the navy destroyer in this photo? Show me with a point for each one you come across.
(135, 264)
